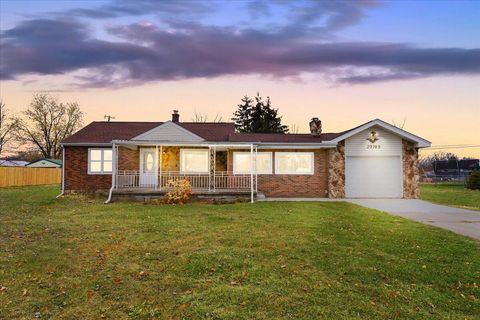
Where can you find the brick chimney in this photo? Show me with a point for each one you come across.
(175, 116)
(315, 126)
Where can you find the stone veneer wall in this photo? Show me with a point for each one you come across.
(336, 171)
(411, 175)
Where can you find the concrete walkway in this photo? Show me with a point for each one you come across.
(465, 222)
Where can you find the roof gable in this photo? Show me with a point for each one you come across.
(53, 161)
(169, 131)
(420, 142)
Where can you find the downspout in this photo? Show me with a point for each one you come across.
(63, 174)
(251, 174)
(114, 169)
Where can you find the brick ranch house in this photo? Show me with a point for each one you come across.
(373, 160)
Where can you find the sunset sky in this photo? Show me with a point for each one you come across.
(346, 62)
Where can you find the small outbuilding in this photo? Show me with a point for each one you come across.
(12, 163)
(45, 163)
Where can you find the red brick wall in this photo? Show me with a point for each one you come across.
(128, 159)
(76, 172)
(274, 185)
(78, 179)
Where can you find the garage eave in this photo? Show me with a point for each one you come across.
(419, 142)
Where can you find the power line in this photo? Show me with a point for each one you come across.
(454, 146)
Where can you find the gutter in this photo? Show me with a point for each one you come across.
(261, 145)
(63, 174)
(86, 144)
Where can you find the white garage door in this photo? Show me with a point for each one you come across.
(373, 177)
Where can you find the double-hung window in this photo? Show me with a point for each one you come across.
(194, 160)
(294, 162)
(100, 161)
(242, 162)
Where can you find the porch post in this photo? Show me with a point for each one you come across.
(161, 157)
(214, 168)
(209, 168)
(156, 166)
(256, 171)
(251, 173)
(114, 166)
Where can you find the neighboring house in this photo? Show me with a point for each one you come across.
(373, 160)
(45, 163)
(13, 163)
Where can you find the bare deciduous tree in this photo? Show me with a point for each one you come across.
(293, 129)
(400, 125)
(47, 122)
(203, 117)
(8, 125)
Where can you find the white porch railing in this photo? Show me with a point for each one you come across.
(221, 180)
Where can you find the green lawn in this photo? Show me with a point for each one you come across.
(451, 195)
(78, 259)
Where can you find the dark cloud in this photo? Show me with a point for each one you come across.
(56, 47)
(182, 49)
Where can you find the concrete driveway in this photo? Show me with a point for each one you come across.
(461, 221)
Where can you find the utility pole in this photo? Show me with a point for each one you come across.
(108, 117)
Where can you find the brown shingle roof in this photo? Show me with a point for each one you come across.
(105, 132)
(280, 137)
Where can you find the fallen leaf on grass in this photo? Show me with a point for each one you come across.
(24, 292)
(143, 274)
(183, 306)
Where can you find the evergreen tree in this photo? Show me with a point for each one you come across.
(259, 118)
(241, 117)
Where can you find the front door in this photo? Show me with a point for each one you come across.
(148, 168)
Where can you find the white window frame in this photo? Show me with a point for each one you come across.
(182, 152)
(312, 164)
(101, 161)
(235, 171)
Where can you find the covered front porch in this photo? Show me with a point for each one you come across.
(148, 168)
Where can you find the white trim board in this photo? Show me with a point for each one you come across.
(169, 131)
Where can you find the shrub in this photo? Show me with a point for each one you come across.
(180, 191)
(473, 181)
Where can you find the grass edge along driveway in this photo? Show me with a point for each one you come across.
(77, 258)
(454, 195)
